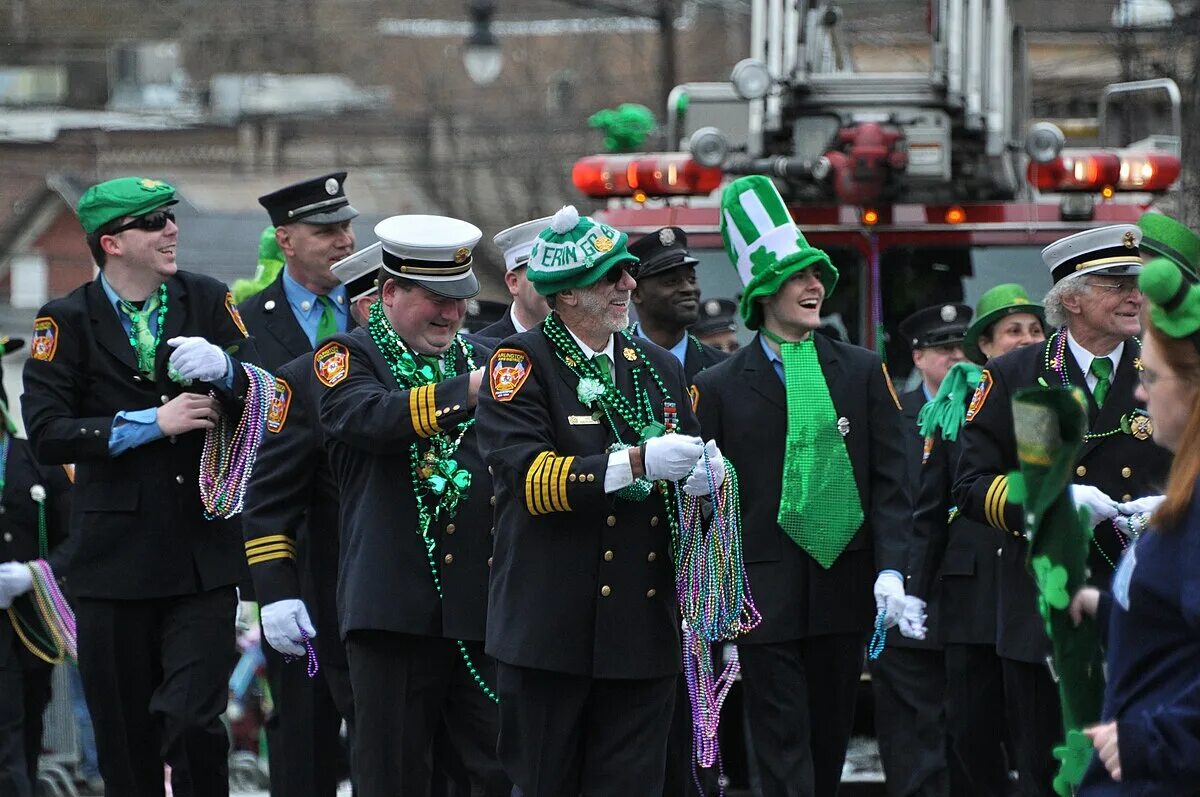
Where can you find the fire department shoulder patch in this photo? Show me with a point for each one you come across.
(280, 402)
(509, 369)
(891, 388)
(981, 394)
(231, 306)
(331, 363)
(45, 339)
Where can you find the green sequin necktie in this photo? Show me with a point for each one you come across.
(819, 505)
(327, 323)
(143, 342)
(1102, 369)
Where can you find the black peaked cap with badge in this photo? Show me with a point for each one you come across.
(716, 315)
(661, 250)
(938, 325)
(321, 200)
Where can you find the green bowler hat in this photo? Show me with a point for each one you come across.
(764, 244)
(574, 252)
(1162, 236)
(996, 303)
(1174, 299)
(124, 196)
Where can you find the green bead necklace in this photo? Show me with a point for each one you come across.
(146, 357)
(439, 484)
(1058, 364)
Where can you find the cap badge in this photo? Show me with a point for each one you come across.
(666, 236)
(1128, 240)
(461, 255)
(1141, 427)
(629, 354)
(151, 185)
(331, 187)
(603, 243)
(949, 313)
(843, 426)
(712, 307)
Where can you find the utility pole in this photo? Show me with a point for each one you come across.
(666, 29)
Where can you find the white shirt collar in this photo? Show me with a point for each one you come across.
(1084, 357)
(517, 325)
(588, 351)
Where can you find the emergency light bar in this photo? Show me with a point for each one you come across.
(1105, 171)
(644, 175)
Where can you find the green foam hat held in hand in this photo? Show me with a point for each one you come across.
(764, 244)
(124, 196)
(1174, 299)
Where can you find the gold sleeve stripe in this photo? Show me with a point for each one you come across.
(268, 539)
(558, 484)
(421, 404)
(994, 502)
(260, 550)
(531, 483)
(258, 560)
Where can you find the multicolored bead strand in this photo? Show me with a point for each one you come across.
(229, 453)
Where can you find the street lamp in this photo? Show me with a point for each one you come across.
(481, 52)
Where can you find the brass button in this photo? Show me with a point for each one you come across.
(654, 520)
(137, 378)
(612, 521)
(8, 536)
(179, 479)
(490, 470)
(492, 531)
(95, 433)
(451, 528)
(1126, 497)
(448, 559)
(83, 431)
(164, 398)
(606, 590)
(650, 593)
(571, 477)
(489, 561)
(437, 413)
(591, 477)
(1126, 472)
(445, 410)
(1016, 534)
(457, 407)
(652, 556)
(998, 550)
(1081, 471)
(492, 500)
(608, 556)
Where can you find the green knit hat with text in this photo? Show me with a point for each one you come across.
(574, 252)
(1174, 299)
(764, 244)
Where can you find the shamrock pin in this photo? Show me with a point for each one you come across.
(1074, 757)
(448, 473)
(408, 368)
(1051, 581)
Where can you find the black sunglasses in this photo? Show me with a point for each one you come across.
(613, 275)
(151, 222)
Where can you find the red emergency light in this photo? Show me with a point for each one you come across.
(657, 174)
(1105, 171)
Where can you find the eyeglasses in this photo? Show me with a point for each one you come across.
(151, 222)
(1149, 378)
(1122, 289)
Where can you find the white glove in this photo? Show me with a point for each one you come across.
(912, 618)
(196, 358)
(15, 579)
(281, 624)
(671, 456)
(1139, 506)
(889, 598)
(1098, 505)
(698, 482)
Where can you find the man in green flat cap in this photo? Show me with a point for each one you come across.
(582, 615)
(814, 428)
(126, 375)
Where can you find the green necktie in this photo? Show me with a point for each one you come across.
(1102, 369)
(819, 505)
(139, 334)
(602, 361)
(435, 363)
(327, 324)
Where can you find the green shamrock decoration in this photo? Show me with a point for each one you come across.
(1052, 582)
(408, 367)
(449, 474)
(625, 127)
(1074, 756)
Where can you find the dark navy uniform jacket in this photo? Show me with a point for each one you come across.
(1125, 465)
(370, 424)
(583, 581)
(742, 403)
(137, 518)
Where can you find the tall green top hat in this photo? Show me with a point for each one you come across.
(574, 252)
(1162, 236)
(998, 302)
(1174, 299)
(765, 244)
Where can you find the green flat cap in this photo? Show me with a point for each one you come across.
(124, 196)
(1162, 236)
(574, 252)
(1174, 298)
(998, 302)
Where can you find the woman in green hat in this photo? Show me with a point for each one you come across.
(954, 558)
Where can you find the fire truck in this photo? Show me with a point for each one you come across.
(924, 187)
